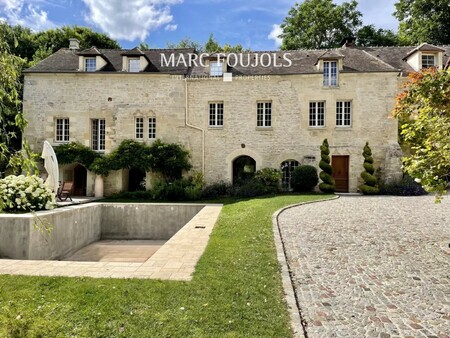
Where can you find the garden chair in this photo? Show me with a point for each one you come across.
(65, 191)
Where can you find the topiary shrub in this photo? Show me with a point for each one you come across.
(328, 183)
(370, 187)
(304, 178)
(269, 177)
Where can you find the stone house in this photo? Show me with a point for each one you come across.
(235, 113)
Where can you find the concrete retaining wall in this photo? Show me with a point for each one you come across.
(77, 226)
(145, 221)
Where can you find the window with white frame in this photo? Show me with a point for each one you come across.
(98, 134)
(90, 64)
(62, 130)
(216, 68)
(317, 114)
(343, 113)
(134, 65)
(264, 114)
(139, 128)
(152, 127)
(428, 61)
(216, 114)
(330, 73)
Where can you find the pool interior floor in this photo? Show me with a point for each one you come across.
(132, 251)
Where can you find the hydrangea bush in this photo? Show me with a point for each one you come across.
(25, 193)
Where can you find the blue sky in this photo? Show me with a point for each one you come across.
(254, 24)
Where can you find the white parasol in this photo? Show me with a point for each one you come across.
(51, 165)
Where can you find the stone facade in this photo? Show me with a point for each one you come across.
(179, 99)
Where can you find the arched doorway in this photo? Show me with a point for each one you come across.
(244, 168)
(287, 167)
(136, 179)
(79, 180)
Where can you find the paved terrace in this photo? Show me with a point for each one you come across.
(371, 266)
(175, 260)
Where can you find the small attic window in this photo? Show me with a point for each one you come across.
(90, 64)
(330, 73)
(216, 68)
(134, 65)
(428, 61)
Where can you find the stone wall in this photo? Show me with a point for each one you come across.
(119, 98)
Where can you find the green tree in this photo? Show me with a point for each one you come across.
(423, 109)
(326, 175)
(169, 160)
(12, 121)
(186, 43)
(51, 40)
(370, 36)
(370, 186)
(210, 46)
(423, 21)
(319, 24)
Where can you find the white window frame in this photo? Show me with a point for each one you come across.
(98, 134)
(315, 115)
(344, 112)
(139, 128)
(62, 130)
(131, 68)
(264, 114)
(216, 114)
(90, 67)
(152, 128)
(215, 68)
(328, 79)
(427, 56)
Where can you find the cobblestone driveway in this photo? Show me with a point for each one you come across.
(371, 266)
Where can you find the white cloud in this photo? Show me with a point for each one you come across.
(171, 28)
(276, 31)
(132, 19)
(16, 13)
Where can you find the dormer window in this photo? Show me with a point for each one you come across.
(90, 64)
(134, 65)
(428, 61)
(215, 68)
(330, 73)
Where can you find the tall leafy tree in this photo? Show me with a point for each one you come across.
(210, 46)
(371, 36)
(423, 109)
(423, 21)
(319, 24)
(12, 122)
(186, 43)
(51, 40)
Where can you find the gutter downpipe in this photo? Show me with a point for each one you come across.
(194, 127)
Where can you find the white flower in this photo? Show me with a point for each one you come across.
(418, 180)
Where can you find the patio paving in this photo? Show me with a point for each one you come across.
(371, 266)
(175, 260)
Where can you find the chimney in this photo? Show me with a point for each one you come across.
(348, 42)
(74, 44)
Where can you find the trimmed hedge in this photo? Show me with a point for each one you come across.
(304, 178)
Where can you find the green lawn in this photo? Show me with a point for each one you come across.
(236, 291)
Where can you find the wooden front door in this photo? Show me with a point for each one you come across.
(340, 166)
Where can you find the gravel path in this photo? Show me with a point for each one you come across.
(371, 266)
